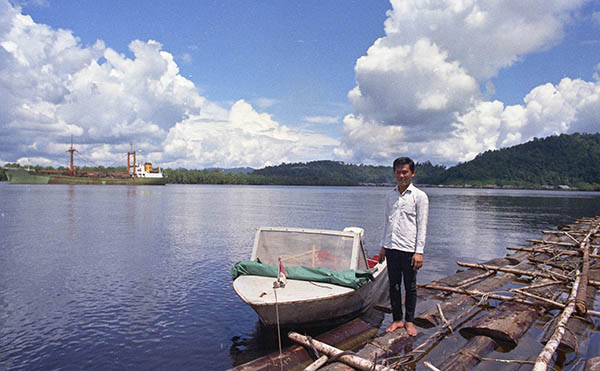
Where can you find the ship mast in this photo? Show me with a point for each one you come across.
(71, 150)
(132, 152)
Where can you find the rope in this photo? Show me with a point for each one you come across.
(278, 330)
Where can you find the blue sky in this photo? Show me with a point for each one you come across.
(252, 83)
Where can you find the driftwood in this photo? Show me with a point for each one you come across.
(541, 363)
(350, 359)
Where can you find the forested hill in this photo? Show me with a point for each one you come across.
(333, 172)
(572, 160)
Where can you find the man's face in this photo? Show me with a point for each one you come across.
(403, 175)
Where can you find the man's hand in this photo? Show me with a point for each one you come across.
(382, 255)
(417, 261)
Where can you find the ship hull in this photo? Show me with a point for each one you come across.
(21, 176)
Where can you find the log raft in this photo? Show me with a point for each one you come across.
(490, 306)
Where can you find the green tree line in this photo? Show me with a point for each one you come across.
(572, 160)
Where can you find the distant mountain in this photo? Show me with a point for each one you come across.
(340, 173)
(572, 160)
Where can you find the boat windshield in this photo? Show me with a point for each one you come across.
(304, 248)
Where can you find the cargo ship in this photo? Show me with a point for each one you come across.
(137, 174)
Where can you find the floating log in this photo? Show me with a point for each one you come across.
(541, 363)
(469, 355)
(460, 303)
(580, 300)
(347, 336)
(510, 321)
(478, 294)
(463, 276)
(549, 250)
(577, 326)
(317, 364)
(519, 272)
(581, 296)
(352, 360)
(558, 243)
(552, 275)
(592, 364)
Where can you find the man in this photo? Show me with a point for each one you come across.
(406, 211)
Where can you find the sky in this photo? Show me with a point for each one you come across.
(235, 83)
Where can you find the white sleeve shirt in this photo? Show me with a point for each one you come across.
(406, 220)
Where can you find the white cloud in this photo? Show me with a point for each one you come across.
(243, 138)
(322, 119)
(425, 78)
(53, 87)
(264, 103)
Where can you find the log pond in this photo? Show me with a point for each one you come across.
(138, 277)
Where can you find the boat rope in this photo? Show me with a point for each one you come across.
(275, 287)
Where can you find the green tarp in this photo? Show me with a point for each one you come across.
(347, 278)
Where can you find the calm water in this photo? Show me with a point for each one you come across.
(118, 277)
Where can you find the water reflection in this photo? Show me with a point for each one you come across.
(138, 277)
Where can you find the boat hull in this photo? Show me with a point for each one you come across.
(306, 303)
(21, 176)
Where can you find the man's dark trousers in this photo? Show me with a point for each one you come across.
(399, 266)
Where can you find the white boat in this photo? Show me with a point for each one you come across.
(310, 258)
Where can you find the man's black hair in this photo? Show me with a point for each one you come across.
(401, 161)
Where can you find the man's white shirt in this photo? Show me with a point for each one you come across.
(406, 220)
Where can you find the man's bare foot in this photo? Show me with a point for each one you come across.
(411, 330)
(394, 326)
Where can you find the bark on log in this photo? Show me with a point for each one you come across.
(577, 326)
(558, 243)
(549, 250)
(581, 298)
(592, 364)
(507, 324)
(541, 363)
(346, 336)
(317, 364)
(469, 355)
(457, 304)
(352, 360)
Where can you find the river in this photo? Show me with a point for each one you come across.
(126, 277)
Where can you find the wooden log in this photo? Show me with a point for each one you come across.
(592, 364)
(352, 360)
(469, 355)
(549, 250)
(518, 272)
(558, 243)
(478, 293)
(457, 304)
(578, 326)
(347, 336)
(511, 320)
(541, 363)
(317, 364)
(580, 300)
